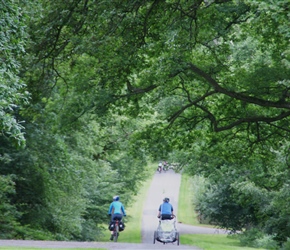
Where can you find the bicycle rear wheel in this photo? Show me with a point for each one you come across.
(116, 233)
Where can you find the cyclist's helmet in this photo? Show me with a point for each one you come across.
(116, 198)
(166, 199)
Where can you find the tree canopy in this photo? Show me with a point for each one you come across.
(115, 84)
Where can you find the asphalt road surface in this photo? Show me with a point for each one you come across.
(163, 185)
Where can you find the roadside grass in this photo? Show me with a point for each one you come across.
(185, 212)
(133, 220)
(214, 242)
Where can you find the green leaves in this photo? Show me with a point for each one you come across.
(12, 93)
(9, 214)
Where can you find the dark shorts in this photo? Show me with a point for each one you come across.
(166, 217)
(117, 217)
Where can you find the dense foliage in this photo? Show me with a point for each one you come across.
(115, 83)
(12, 41)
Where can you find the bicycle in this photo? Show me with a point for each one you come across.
(116, 231)
(116, 226)
(159, 169)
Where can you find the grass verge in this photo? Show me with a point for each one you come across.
(185, 211)
(132, 232)
(214, 242)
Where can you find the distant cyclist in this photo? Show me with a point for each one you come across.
(116, 211)
(165, 165)
(160, 166)
(165, 211)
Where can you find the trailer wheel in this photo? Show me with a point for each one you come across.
(177, 238)
(155, 237)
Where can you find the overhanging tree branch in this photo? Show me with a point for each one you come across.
(193, 103)
(281, 116)
(239, 96)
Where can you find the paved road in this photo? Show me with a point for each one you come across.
(163, 185)
(105, 245)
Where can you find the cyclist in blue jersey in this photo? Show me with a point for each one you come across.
(165, 211)
(116, 211)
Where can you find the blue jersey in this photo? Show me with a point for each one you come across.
(117, 207)
(166, 208)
